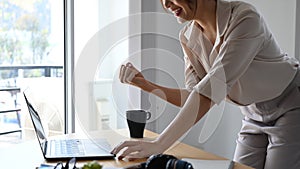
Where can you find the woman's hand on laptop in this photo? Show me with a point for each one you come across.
(131, 150)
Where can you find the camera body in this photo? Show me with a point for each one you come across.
(164, 161)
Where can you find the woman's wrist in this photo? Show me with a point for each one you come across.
(161, 148)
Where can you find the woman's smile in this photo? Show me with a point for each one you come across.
(181, 8)
(177, 12)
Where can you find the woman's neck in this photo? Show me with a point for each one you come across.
(206, 18)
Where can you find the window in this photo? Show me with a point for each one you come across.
(32, 56)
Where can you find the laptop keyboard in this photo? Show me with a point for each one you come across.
(67, 147)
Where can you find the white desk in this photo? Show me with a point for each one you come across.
(28, 155)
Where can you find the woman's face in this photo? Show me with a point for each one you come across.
(182, 9)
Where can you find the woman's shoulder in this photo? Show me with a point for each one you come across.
(241, 7)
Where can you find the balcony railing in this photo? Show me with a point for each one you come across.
(49, 70)
(12, 77)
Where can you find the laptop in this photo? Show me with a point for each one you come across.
(63, 149)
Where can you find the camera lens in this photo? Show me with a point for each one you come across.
(178, 164)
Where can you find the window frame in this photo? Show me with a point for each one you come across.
(69, 113)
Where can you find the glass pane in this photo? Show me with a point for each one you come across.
(32, 58)
(100, 49)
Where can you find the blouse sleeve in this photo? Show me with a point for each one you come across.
(242, 42)
(191, 77)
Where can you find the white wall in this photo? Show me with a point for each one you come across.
(280, 16)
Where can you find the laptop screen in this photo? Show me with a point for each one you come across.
(36, 120)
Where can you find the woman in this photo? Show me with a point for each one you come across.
(229, 54)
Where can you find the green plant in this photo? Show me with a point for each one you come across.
(92, 165)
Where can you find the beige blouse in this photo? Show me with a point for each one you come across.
(245, 64)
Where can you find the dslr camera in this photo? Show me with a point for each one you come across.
(163, 161)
